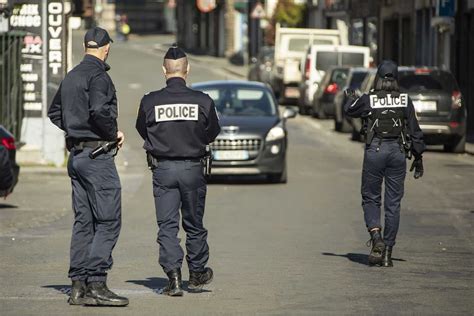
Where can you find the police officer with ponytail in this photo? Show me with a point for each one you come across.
(392, 136)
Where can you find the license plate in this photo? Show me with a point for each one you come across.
(231, 155)
(424, 106)
(292, 92)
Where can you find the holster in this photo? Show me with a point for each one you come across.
(151, 161)
(407, 146)
(207, 162)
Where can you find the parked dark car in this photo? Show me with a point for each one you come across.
(332, 82)
(354, 81)
(253, 140)
(261, 67)
(438, 104)
(7, 140)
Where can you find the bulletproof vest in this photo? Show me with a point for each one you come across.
(387, 117)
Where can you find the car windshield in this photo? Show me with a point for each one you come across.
(300, 44)
(357, 79)
(430, 80)
(241, 101)
(339, 76)
(324, 60)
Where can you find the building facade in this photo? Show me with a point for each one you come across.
(201, 32)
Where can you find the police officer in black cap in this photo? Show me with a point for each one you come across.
(392, 135)
(177, 123)
(85, 108)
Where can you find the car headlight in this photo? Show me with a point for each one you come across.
(275, 133)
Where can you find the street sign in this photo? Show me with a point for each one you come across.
(446, 8)
(258, 11)
(206, 6)
(28, 17)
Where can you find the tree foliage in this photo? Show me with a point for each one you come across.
(289, 14)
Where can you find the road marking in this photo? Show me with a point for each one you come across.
(315, 124)
(134, 86)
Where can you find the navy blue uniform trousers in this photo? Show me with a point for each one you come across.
(388, 164)
(96, 201)
(180, 184)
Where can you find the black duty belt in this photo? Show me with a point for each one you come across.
(386, 139)
(79, 144)
(192, 159)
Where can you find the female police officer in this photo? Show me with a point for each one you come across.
(392, 134)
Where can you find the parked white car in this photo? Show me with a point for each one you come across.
(290, 48)
(318, 59)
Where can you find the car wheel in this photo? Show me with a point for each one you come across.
(321, 114)
(279, 177)
(346, 127)
(356, 136)
(457, 146)
(337, 125)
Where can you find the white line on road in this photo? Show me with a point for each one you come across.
(315, 124)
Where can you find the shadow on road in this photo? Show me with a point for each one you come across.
(157, 284)
(238, 180)
(7, 206)
(356, 257)
(64, 289)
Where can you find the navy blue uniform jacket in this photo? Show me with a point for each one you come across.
(361, 108)
(85, 106)
(177, 138)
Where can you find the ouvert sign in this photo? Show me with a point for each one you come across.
(43, 67)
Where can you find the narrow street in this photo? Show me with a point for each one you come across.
(279, 249)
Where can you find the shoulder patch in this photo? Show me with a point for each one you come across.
(389, 101)
(176, 112)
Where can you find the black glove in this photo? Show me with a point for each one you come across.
(350, 93)
(417, 165)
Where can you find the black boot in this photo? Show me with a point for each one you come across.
(175, 285)
(98, 294)
(78, 289)
(198, 279)
(378, 246)
(387, 257)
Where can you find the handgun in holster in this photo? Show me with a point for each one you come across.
(207, 161)
(151, 161)
(407, 144)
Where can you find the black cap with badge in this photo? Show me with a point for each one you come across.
(175, 52)
(96, 37)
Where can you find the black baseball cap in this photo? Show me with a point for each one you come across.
(96, 37)
(174, 52)
(388, 68)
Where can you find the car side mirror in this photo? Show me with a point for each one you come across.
(289, 113)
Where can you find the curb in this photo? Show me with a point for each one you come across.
(235, 73)
(469, 148)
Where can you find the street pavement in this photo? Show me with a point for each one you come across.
(276, 249)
